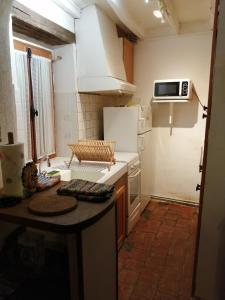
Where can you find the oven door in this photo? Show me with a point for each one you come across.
(134, 190)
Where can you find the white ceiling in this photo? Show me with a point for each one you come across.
(141, 14)
(185, 11)
(192, 10)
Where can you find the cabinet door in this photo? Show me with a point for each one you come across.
(121, 214)
(128, 58)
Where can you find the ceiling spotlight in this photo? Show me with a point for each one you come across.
(146, 1)
(157, 13)
(162, 19)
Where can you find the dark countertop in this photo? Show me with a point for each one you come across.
(81, 217)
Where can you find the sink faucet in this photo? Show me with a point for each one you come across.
(44, 158)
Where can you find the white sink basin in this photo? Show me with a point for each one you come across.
(86, 171)
(92, 171)
(87, 175)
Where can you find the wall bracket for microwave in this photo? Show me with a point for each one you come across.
(172, 90)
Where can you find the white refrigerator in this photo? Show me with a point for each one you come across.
(130, 127)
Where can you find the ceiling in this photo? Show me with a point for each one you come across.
(192, 10)
(141, 14)
(184, 10)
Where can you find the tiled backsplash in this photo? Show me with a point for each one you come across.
(90, 113)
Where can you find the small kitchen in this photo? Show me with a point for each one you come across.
(107, 102)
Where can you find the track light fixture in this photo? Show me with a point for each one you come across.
(161, 11)
(157, 13)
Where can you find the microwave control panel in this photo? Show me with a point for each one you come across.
(184, 88)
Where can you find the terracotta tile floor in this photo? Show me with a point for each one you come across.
(156, 260)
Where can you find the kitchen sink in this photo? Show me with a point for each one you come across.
(86, 175)
(86, 170)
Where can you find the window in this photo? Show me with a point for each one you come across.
(34, 100)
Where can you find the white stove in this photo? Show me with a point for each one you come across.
(134, 187)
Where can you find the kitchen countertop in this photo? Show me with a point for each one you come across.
(84, 215)
(127, 157)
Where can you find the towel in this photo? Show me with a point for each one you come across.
(46, 182)
(85, 190)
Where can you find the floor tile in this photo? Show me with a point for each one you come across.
(156, 260)
(125, 291)
(128, 277)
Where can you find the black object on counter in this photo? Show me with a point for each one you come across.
(85, 190)
(6, 201)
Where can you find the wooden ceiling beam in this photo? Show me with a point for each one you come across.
(29, 23)
(170, 15)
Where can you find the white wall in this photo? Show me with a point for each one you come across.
(65, 98)
(171, 161)
(7, 99)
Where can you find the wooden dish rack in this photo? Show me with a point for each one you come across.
(93, 150)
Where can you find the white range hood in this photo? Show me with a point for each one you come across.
(99, 55)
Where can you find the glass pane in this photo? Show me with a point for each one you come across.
(167, 89)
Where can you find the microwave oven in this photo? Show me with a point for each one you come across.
(172, 89)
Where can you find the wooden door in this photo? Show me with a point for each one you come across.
(128, 58)
(121, 206)
(121, 214)
(213, 54)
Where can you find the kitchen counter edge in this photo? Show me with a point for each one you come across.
(80, 218)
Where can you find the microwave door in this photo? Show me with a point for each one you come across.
(167, 89)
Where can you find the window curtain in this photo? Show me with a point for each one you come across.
(41, 73)
(22, 102)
